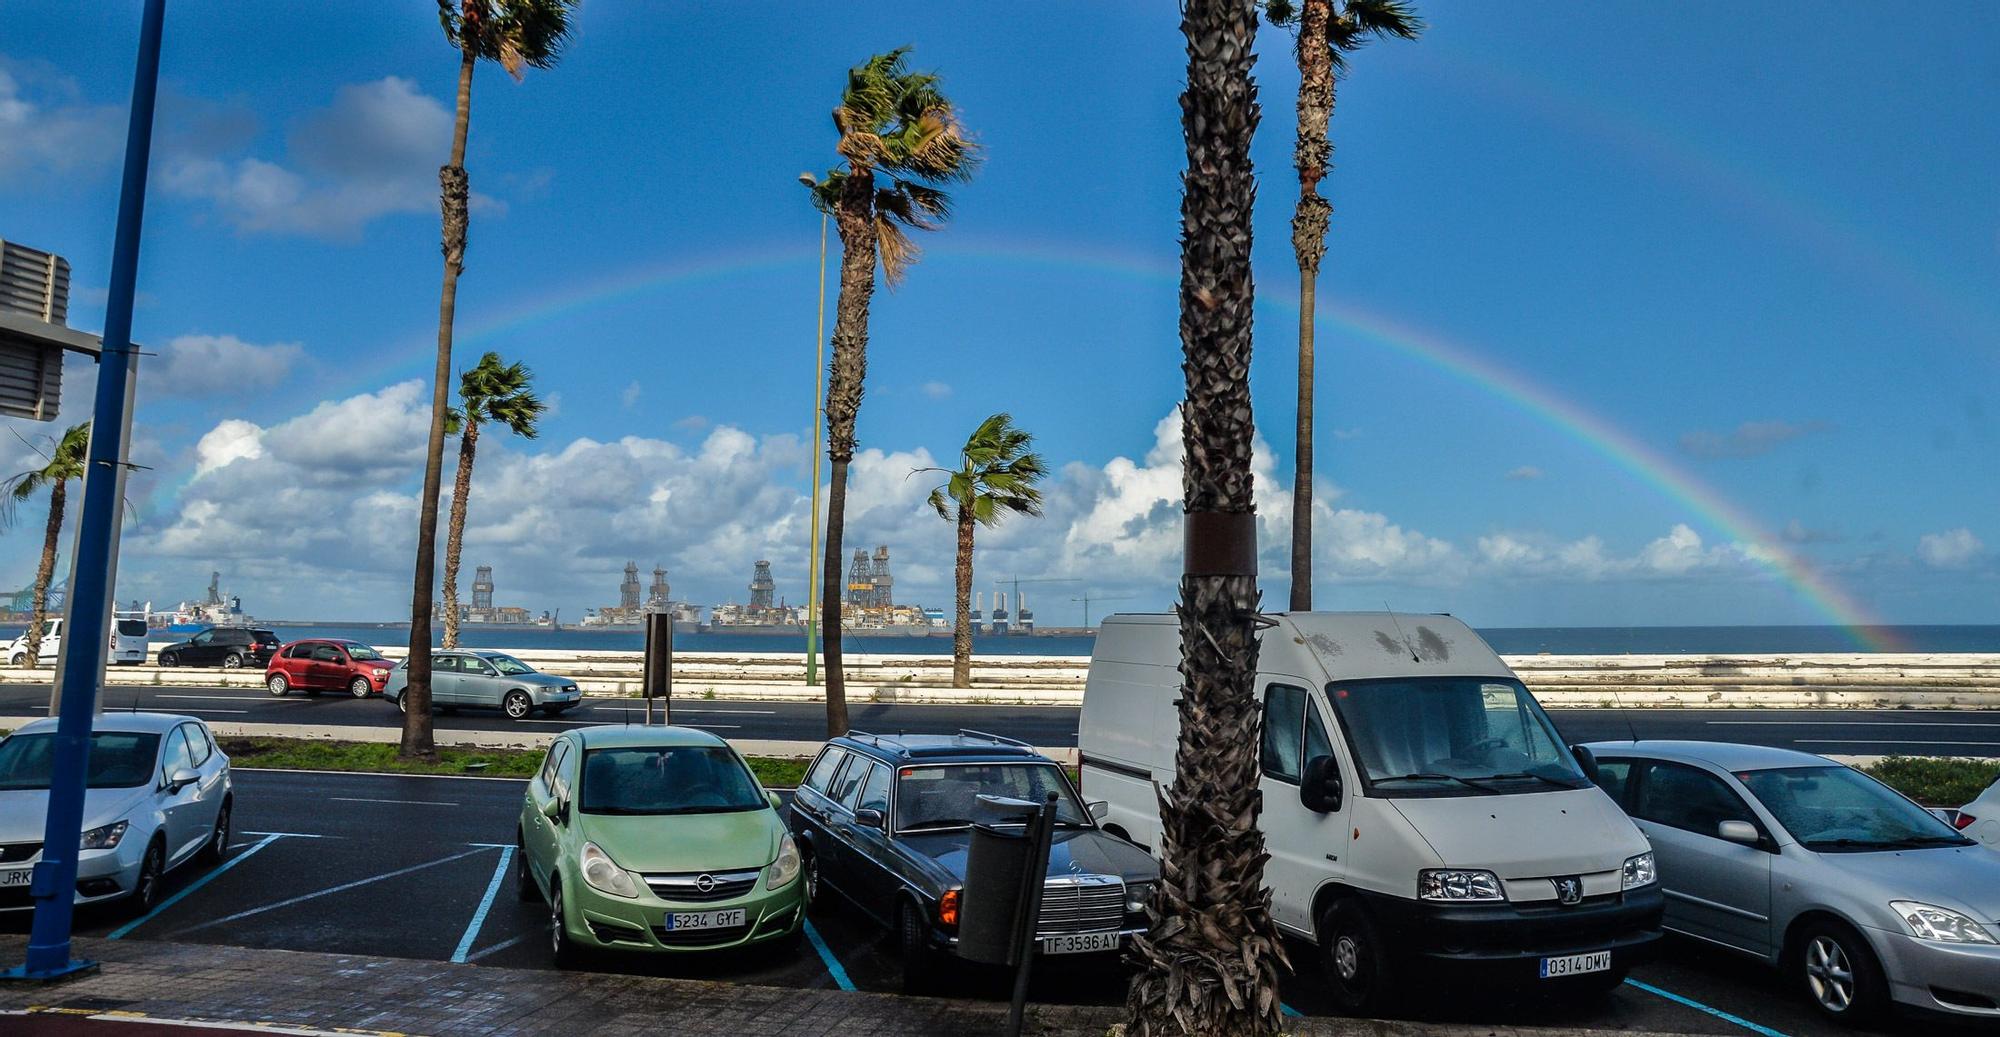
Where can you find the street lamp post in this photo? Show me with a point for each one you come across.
(819, 421)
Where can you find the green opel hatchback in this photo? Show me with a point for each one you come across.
(656, 839)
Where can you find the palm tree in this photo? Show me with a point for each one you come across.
(900, 140)
(516, 33)
(1210, 964)
(501, 394)
(65, 464)
(995, 478)
(1327, 32)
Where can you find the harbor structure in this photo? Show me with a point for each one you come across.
(630, 612)
(483, 612)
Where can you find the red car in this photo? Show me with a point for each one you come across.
(322, 663)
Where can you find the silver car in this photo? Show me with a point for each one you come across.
(159, 796)
(492, 680)
(1859, 895)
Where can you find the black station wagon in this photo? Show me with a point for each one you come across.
(886, 822)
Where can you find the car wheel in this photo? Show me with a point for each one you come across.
(517, 705)
(278, 684)
(403, 704)
(232, 661)
(1838, 972)
(524, 877)
(20, 659)
(169, 659)
(146, 890)
(1355, 960)
(218, 844)
(562, 948)
(358, 687)
(811, 868)
(920, 965)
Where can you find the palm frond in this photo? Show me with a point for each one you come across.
(898, 252)
(515, 33)
(941, 504)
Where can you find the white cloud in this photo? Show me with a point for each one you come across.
(935, 390)
(47, 130)
(629, 396)
(1750, 439)
(1951, 549)
(219, 365)
(232, 440)
(1525, 473)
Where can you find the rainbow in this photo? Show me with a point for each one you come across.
(1644, 464)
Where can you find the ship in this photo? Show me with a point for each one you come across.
(868, 610)
(215, 610)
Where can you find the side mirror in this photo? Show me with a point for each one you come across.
(1320, 789)
(1099, 809)
(1739, 832)
(556, 809)
(776, 803)
(182, 779)
(869, 817)
(1586, 760)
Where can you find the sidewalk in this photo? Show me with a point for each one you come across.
(170, 982)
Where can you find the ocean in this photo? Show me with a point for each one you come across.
(1507, 640)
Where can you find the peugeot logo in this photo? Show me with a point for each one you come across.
(706, 883)
(1569, 890)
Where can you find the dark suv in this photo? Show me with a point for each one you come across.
(228, 647)
(887, 821)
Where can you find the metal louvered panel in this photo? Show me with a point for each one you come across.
(34, 283)
(31, 382)
(1082, 904)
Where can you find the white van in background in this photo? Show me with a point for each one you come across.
(1424, 820)
(128, 643)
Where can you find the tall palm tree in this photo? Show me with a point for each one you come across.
(1210, 963)
(515, 33)
(1328, 30)
(900, 141)
(496, 393)
(996, 477)
(64, 465)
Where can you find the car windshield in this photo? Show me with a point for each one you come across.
(132, 627)
(1452, 736)
(118, 760)
(507, 664)
(684, 779)
(937, 798)
(1835, 808)
(362, 652)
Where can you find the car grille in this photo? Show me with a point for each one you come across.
(686, 888)
(14, 853)
(700, 937)
(1082, 904)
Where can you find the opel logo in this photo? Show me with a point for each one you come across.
(1568, 890)
(706, 883)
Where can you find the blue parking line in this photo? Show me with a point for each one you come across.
(485, 905)
(1289, 1011)
(119, 933)
(1699, 1007)
(833, 967)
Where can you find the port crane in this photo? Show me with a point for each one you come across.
(1089, 597)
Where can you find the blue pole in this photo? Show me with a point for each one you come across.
(54, 884)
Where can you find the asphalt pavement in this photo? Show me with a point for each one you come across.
(416, 867)
(1837, 732)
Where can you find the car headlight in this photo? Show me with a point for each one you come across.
(1454, 885)
(1639, 871)
(604, 874)
(786, 867)
(1136, 895)
(106, 837)
(1936, 923)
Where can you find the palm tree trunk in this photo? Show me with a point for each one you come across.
(854, 218)
(38, 620)
(454, 539)
(961, 633)
(1309, 223)
(417, 740)
(1210, 965)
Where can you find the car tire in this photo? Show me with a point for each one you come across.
(517, 705)
(809, 867)
(359, 687)
(278, 685)
(20, 659)
(169, 659)
(920, 962)
(218, 841)
(146, 888)
(1836, 969)
(232, 661)
(562, 947)
(524, 876)
(1355, 960)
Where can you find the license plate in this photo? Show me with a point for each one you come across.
(687, 920)
(1576, 964)
(1080, 943)
(16, 877)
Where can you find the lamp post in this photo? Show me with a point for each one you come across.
(819, 421)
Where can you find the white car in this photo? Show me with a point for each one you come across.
(1980, 819)
(128, 643)
(159, 796)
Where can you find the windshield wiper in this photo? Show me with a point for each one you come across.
(1429, 776)
(936, 822)
(1558, 783)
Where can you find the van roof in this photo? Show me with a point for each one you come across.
(1373, 644)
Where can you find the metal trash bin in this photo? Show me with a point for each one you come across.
(990, 904)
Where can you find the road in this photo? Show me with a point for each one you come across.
(1841, 732)
(415, 867)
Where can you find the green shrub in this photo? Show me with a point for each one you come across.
(1936, 781)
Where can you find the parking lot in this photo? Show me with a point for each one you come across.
(416, 867)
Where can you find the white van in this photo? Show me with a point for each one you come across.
(1421, 813)
(128, 643)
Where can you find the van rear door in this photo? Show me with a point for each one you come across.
(1306, 847)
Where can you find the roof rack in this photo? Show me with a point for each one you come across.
(965, 732)
(879, 741)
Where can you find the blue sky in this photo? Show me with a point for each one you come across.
(1763, 254)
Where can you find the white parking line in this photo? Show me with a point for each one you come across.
(235, 698)
(1844, 723)
(205, 709)
(405, 802)
(687, 709)
(572, 723)
(342, 888)
(1881, 741)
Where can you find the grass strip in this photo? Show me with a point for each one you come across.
(380, 758)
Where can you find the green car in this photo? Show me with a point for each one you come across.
(656, 839)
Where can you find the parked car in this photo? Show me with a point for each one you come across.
(127, 643)
(231, 648)
(655, 839)
(1423, 817)
(1980, 819)
(322, 664)
(886, 823)
(159, 795)
(487, 680)
(1862, 897)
